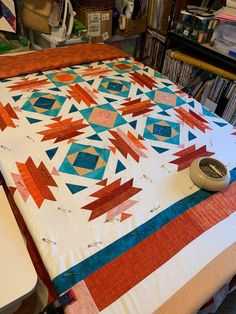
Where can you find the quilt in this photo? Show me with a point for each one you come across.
(97, 157)
(7, 16)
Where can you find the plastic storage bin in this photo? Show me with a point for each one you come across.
(224, 38)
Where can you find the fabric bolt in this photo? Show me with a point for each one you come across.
(57, 57)
(102, 149)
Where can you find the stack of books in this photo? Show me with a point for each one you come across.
(223, 94)
(158, 12)
(178, 72)
(154, 49)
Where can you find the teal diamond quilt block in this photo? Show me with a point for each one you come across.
(44, 103)
(102, 118)
(62, 78)
(114, 87)
(85, 161)
(165, 98)
(162, 131)
(123, 66)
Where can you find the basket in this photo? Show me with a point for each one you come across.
(35, 15)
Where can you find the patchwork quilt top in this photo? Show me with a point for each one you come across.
(97, 156)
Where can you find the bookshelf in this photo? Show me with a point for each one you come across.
(161, 17)
(167, 20)
(197, 68)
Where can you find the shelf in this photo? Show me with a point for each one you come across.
(157, 30)
(205, 52)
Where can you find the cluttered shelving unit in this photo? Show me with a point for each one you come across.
(183, 51)
(160, 14)
(56, 23)
(205, 51)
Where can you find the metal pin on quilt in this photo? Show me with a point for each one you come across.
(49, 241)
(147, 178)
(94, 244)
(5, 147)
(30, 138)
(164, 167)
(155, 209)
(63, 209)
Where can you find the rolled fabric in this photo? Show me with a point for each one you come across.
(178, 55)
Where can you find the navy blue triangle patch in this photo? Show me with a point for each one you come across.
(100, 62)
(167, 84)
(146, 69)
(75, 188)
(86, 65)
(73, 109)
(32, 120)
(160, 150)
(16, 97)
(94, 137)
(5, 80)
(221, 124)
(51, 152)
(133, 124)
(110, 99)
(120, 75)
(119, 167)
(191, 103)
(90, 82)
(139, 92)
(164, 113)
(191, 136)
(39, 73)
(56, 89)
(206, 112)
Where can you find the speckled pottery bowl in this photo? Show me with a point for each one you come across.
(209, 174)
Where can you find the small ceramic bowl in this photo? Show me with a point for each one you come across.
(209, 174)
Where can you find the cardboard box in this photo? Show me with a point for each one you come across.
(98, 23)
(133, 27)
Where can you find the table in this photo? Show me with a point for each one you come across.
(18, 277)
